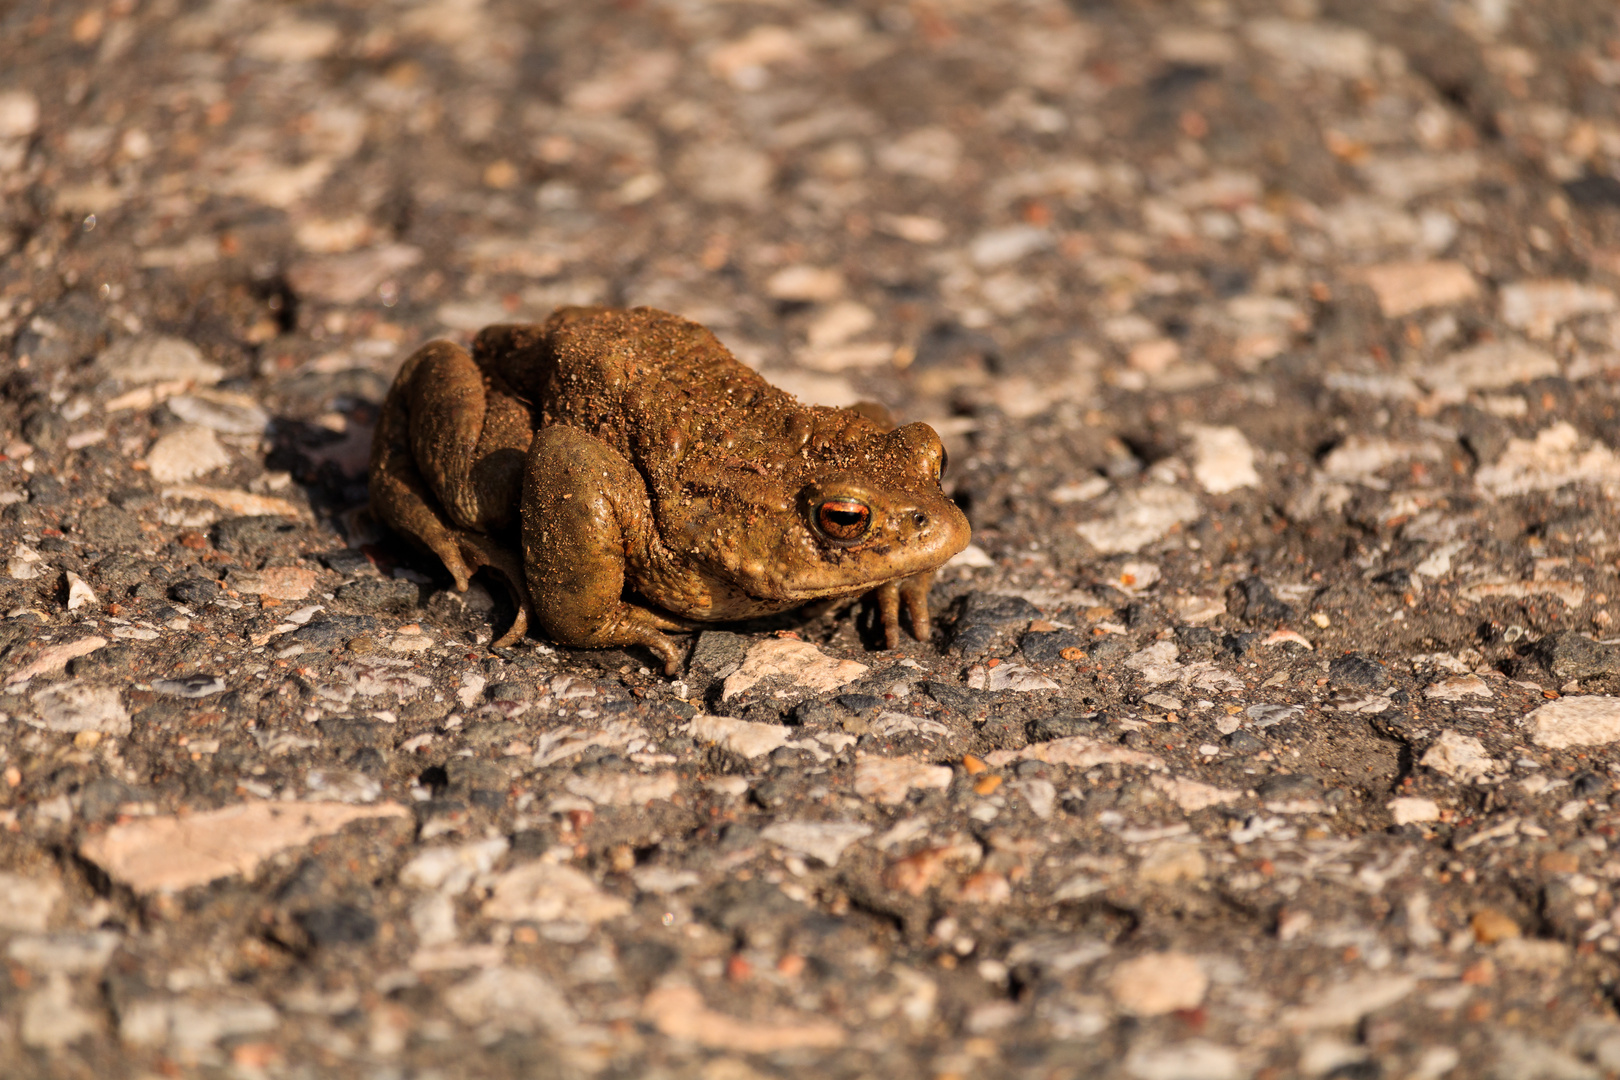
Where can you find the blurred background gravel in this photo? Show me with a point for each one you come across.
(1269, 729)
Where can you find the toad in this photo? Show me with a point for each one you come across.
(627, 476)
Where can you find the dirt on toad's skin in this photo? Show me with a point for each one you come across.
(1266, 727)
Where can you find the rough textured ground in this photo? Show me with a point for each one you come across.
(1265, 732)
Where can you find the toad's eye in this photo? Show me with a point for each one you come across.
(944, 463)
(843, 521)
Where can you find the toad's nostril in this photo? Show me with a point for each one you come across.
(919, 519)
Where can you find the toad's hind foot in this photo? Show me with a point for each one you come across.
(480, 551)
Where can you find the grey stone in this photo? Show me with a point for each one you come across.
(337, 924)
(393, 596)
(331, 631)
(1244, 743)
(1253, 601)
(1048, 728)
(717, 652)
(1290, 786)
(257, 535)
(1353, 672)
(1568, 655)
(1047, 646)
(345, 561)
(195, 591)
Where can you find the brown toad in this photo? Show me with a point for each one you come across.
(652, 481)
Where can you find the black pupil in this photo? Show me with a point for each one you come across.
(844, 521)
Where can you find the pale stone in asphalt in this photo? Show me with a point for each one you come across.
(1413, 809)
(1360, 458)
(1015, 677)
(799, 661)
(1407, 287)
(1171, 862)
(1193, 796)
(1538, 307)
(1575, 721)
(999, 247)
(623, 789)
(928, 153)
(1037, 794)
(1158, 663)
(805, 284)
(1078, 751)
(974, 557)
(663, 880)
(52, 1019)
(508, 999)
(452, 869)
(1195, 46)
(1493, 365)
(890, 780)
(1557, 456)
(26, 903)
(1461, 757)
(76, 706)
(547, 892)
(79, 594)
(743, 737)
(1138, 518)
(167, 854)
(1458, 688)
(352, 277)
(217, 410)
(822, 840)
(1404, 177)
(1195, 1059)
(1222, 459)
(678, 1011)
(68, 953)
(192, 1027)
(1343, 1004)
(291, 40)
(154, 359)
(840, 323)
(734, 174)
(185, 453)
(1332, 48)
(19, 114)
(239, 503)
(280, 186)
(55, 658)
(277, 582)
(1532, 954)
(1157, 983)
(1571, 594)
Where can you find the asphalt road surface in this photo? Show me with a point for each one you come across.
(1267, 727)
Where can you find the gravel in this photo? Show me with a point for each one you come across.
(1269, 725)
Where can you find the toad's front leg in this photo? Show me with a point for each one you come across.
(914, 591)
(585, 516)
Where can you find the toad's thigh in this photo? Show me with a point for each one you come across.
(585, 517)
(468, 443)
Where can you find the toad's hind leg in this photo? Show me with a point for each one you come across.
(400, 496)
(469, 435)
(586, 522)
